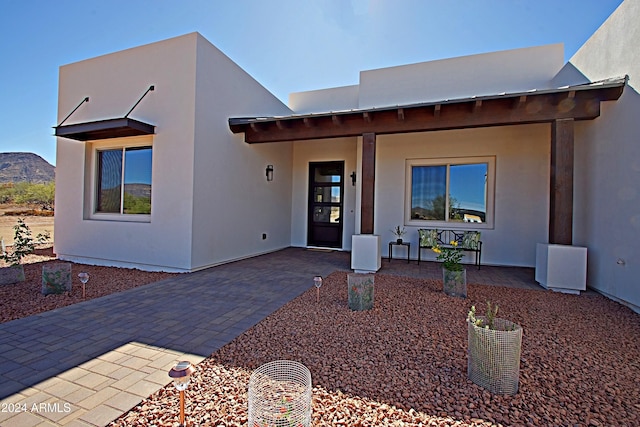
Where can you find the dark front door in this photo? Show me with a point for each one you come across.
(326, 185)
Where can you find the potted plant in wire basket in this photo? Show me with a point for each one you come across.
(454, 275)
(494, 347)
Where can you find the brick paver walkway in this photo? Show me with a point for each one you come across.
(86, 364)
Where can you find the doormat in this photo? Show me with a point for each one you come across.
(320, 250)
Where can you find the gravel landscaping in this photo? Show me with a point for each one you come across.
(25, 298)
(403, 363)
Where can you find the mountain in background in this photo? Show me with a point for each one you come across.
(25, 167)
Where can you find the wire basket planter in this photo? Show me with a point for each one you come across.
(56, 278)
(455, 282)
(12, 274)
(494, 356)
(280, 395)
(360, 291)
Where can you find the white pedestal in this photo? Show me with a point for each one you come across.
(561, 268)
(366, 255)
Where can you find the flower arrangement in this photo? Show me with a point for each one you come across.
(399, 231)
(450, 257)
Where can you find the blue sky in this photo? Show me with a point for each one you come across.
(287, 45)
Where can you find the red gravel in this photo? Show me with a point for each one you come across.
(25, 298)
(404, 362)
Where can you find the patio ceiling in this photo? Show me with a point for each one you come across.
(578, 102)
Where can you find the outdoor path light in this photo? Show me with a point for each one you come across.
(317, 280)
(84, 278)
(181, 374)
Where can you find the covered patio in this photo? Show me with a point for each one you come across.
(559, 107)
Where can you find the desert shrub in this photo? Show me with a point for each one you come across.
(23, 243)
(28, 193)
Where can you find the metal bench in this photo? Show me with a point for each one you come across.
(468, 240)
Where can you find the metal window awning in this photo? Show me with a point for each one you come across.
(105, 129)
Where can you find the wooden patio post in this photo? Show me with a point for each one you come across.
(561, 191)
(368, 182)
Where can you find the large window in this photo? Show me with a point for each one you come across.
(447, 191)
(123, 184)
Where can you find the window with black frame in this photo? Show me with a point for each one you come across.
(449, 191)
(124, 181)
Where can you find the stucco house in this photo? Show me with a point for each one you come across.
(171, 157)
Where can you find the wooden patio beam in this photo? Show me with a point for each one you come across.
(519, 102)
(577, 105)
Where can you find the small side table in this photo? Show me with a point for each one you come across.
(392, 244)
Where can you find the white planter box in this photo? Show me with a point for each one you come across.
(366, 254)
(561, 268)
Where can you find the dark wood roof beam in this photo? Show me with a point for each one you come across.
(282, 124)
(337, 120)
(559, 98)
(524, 108)
(566, 102)
(519, 102)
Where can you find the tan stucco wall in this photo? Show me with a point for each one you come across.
(521, 187)
(607, 187)
(114, 83)
(474, 75)
(210, 199)
(233, 204)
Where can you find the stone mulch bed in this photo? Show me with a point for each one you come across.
(404, 362)
(23, 299)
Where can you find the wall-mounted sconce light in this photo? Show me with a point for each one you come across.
(353, 178)
(269, 172)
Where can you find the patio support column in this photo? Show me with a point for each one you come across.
(368, 182)
(561, 191)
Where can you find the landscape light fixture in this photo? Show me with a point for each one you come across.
(181, 374)
(317, 281)
(269, 172)
(84, 278)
